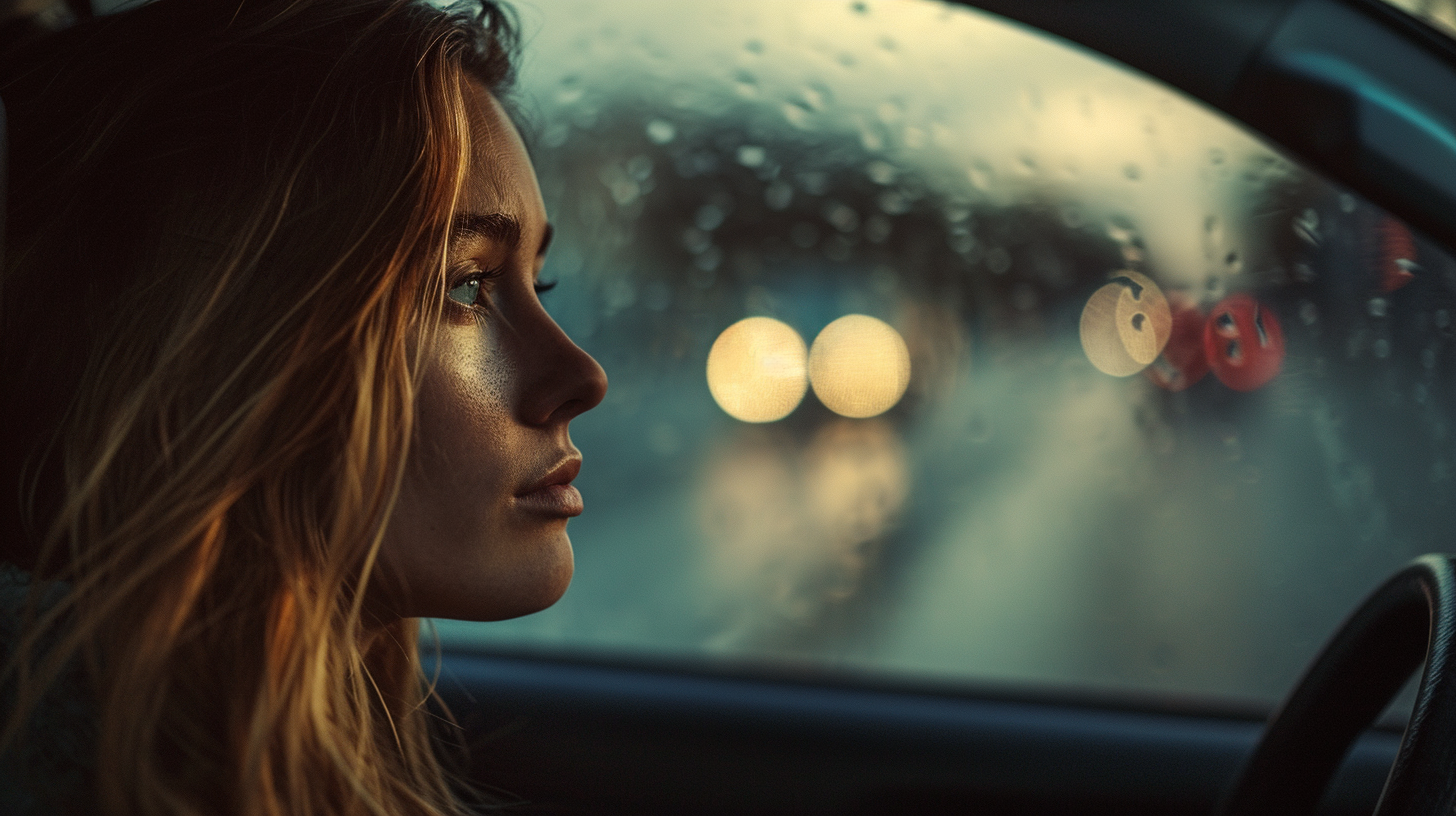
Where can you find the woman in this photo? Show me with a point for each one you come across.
(277, 383)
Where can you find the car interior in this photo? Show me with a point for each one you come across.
(1017, 407)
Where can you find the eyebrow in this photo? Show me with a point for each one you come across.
(499, 227)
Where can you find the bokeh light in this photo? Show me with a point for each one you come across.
(859, 366)
(1125, 324)
(756, 370)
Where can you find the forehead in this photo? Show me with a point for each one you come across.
(499, 176)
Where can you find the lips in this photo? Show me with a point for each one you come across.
(553, 494)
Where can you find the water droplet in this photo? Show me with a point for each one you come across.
(1132, 172)
(1308, 314)
(1214, 286)
(1217, 156)
(778, 195)
(1428, 358)
(753, 47)
(894, 202)
(890, 112)
(570, 91)
(695, 240)
(841, 216)
(746, 85)
(814, 182)
(709, 217)
(1233, 262)
(1376, 307)
(639, 168)
(962, 242)
(1347, 203)
(1442, 319)
(1304, 273)
(751, 155)
(880, 171)
(1306, 226)
(1381, 348)
(661, 131)
(815, 97)
(796, 114)
(556, 135)
(981, 176)
(870, 139)
(709, 258)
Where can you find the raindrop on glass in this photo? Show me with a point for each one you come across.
(751, 155)
(893, 202)
(880, 172)
(841, 216)
(709, 217)
(661, 131)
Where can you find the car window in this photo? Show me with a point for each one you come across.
(1440, 14)
(942, 350)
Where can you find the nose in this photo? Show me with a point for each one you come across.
(563, 381)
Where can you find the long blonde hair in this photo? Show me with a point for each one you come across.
(227, 229)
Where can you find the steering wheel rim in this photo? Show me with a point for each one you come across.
(1410, 618)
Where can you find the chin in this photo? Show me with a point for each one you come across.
(511, 593)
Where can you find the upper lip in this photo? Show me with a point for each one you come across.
(561, 474)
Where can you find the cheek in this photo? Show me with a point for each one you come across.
(463, 425)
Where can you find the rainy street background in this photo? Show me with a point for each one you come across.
(1016, 515)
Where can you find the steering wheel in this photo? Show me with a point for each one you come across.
(1409, 618)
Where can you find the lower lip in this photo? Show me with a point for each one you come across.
(553, 500)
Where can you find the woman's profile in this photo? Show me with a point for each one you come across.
(278, 382)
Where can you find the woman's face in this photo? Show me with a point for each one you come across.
(479, 531)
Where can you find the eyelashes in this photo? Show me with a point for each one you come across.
(472, 289)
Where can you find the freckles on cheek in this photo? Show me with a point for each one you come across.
(476, 379)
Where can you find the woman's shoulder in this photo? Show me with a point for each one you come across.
(50, 763)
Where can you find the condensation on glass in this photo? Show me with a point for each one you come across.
(1114, 396)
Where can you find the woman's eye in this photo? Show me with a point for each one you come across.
(467, 293)
(542, 287)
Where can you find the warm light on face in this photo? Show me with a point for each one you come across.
(859, 366)
(756, 370)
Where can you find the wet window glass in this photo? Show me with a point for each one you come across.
(1440, 14)
(942, 350)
